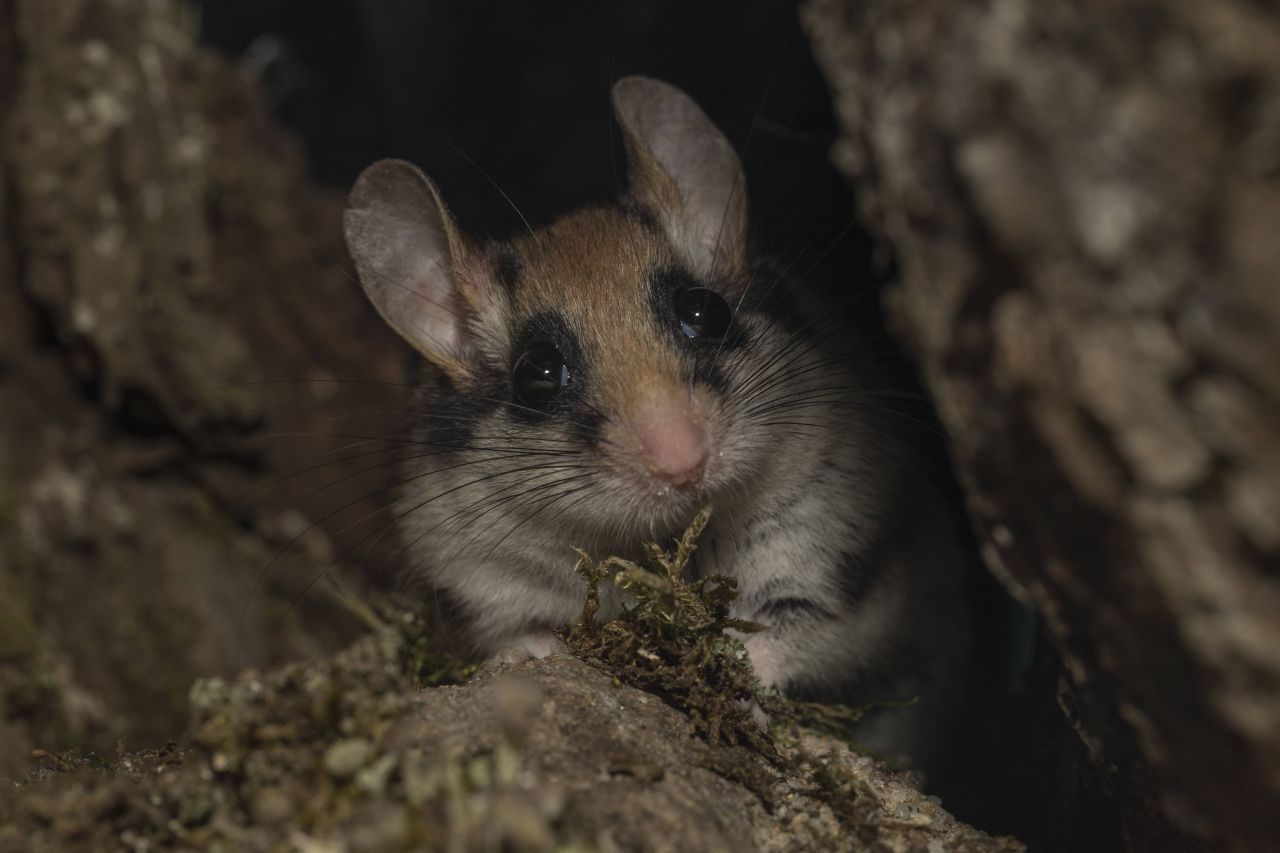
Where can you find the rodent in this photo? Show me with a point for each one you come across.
(595, 382)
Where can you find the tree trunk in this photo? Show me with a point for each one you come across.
(1083, 201)
(160, 247)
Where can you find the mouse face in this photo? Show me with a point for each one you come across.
(611, 349)
(611, 371)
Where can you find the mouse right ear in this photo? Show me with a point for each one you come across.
(681, 166)
(406, 248)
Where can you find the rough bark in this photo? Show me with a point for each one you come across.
(549, 755)
(159, 248)
(1083, 201)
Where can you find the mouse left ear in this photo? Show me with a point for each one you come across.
(408, 252)
(681, 166)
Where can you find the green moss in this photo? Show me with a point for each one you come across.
(426, 667)
(852, 801)
(678, 642)
(421, 662)
(675, 641)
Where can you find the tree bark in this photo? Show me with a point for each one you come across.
(1082, 199)
(349, 754)
(161, 253)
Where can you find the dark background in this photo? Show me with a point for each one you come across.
(516, 95)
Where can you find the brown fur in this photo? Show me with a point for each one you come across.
(593, 269)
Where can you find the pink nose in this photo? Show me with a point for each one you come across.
(675, 444)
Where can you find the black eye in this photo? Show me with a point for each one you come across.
(539, 375)
(702, 313)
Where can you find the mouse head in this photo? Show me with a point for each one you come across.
(610, 344)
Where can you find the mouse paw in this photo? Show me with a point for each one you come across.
(535, 646)
(765, 662)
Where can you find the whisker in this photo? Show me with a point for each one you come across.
(346, 552)
(326, 517)
(312, 381)
(530, 517)
(464, 511)
(501, 192)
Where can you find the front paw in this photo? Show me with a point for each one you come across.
(766, 660)
(535, 646)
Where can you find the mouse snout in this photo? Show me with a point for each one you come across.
(673, 440)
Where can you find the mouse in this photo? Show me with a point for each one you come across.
(592, 383)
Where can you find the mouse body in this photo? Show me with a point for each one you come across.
(597, 381)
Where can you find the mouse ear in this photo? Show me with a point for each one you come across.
(406, 246)
(681, 166)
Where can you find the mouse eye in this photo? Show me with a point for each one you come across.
(703, 313)
(539, 375)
